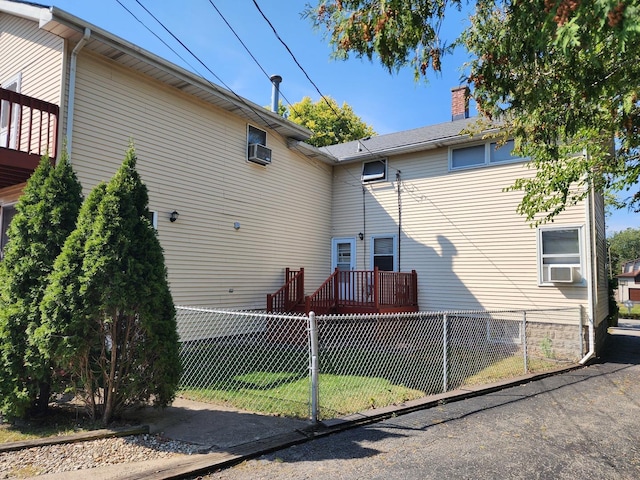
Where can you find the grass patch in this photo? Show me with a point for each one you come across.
(339, 394)
(59, 421)
(635, 310)
(508, 368)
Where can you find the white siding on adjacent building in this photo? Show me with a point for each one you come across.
(459, 231)
(193, 159)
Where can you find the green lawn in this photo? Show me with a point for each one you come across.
(274, 379)
(624, 310)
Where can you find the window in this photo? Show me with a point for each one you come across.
(256, 136)
(479, 155)
(7, 213)
(560, 255)
(504, 331)
(383, 253)
(375, 171)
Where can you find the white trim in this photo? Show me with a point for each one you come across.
(11, 130)
(372, 239)
(376, 177)
(579, 265)
(487, 156)
(334, 251)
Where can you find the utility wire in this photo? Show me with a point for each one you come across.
(240, 99)
(338, 114)
(247, 49)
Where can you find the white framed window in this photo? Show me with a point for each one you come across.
(384, 252)
(481, 154)
(256, 136)
(7, 212)
(560, 255)
(153, 218)
(374, 171)
(257, 151)
(507, 332)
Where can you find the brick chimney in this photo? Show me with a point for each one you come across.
(459, 103)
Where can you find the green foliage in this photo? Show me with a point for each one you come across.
(329, 122)
(561, 76)
(45, 215)
(623, 246)
(109, 315)
(614, 310)
(546, 346)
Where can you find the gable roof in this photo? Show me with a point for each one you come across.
(67, 26)
(423, 138)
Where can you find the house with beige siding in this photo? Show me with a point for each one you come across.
(433, 200)
(414, 220)
(240, 222)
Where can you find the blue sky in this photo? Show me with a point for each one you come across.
(388, 102)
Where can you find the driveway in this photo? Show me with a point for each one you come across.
(583, 424)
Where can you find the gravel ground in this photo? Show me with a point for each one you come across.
(90, 454)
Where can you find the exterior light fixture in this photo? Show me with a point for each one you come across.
(361, 236)
(173, 216)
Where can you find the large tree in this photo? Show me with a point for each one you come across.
(45, 216)
(623, 246)
(329, 122)
(108, 313)
(562, 76)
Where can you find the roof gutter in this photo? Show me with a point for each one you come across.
(72, 89)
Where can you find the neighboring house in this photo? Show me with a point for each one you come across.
(429, 200)
(629, 281)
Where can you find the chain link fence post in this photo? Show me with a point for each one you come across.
(313, 365)
(524, 341)
(445, 348)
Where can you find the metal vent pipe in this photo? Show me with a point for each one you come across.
(275, 92)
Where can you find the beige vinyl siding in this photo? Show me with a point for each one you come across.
(192, 157)
(460, 232)
(600, 254)
(36, 54)
(11, 194)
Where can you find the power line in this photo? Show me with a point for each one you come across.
(241, 99)
(247, 49)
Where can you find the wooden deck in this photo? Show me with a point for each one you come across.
(28, 130)
(354, 291)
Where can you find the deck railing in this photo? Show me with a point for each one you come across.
(290, 294)
(27, 124)
(364, 290)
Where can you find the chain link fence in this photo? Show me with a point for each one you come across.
(265, 363)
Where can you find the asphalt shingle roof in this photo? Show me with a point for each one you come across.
(422, 138)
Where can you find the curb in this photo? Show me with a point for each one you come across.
(77, 437)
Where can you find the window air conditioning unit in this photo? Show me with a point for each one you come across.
(561, 273)
(259, 154)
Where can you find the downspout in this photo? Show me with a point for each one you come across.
(72, 89)
(398, 181)
(591, 310)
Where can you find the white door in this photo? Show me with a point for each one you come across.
(9, 132)
(343, 253)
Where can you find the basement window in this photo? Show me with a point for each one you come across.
(375, 171)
